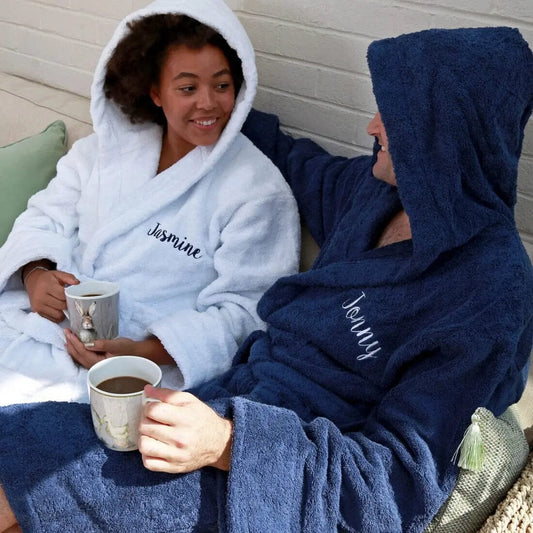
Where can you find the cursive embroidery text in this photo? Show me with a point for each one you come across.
(364, 335)
(179, 244)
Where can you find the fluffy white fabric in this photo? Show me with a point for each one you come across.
(193, 248)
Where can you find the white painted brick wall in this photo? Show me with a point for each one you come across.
(310, 56)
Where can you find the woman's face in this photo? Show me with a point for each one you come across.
(382, 168)
(197, 95)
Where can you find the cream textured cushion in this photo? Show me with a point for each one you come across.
(515, 513)
(477, 494)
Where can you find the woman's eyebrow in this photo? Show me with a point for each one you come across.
(222, 72)
(181, 75)
(184, 75)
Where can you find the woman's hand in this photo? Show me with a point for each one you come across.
(90, 354)
(180, 433)
(46, 290)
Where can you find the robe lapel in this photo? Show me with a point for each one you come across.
(129, 190)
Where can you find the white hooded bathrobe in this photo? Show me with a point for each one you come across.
(193, 247)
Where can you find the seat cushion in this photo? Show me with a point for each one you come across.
(27, 107)
(477, 494)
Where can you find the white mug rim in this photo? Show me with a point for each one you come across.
(110, 289)
(104, 362)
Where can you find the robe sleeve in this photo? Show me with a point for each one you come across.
(396, 471)
(259, 244)
(321, 182)
(47, 229)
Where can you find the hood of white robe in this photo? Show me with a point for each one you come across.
(115, 131)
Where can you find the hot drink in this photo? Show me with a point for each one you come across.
(94, 295)
(116, 393)
(123, 385)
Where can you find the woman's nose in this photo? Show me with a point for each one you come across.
(205, 99)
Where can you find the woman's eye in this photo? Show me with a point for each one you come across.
(188, 89)
(223, 86)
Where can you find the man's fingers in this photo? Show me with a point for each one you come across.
(161, 457)
(170, 396)
(155, 464)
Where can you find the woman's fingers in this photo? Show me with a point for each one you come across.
(77, 350)
(51, 313)
(46, 290)
(118, 346)
(65, 278)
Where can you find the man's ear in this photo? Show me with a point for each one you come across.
(154, 95)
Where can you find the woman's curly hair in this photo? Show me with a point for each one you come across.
(136, 63)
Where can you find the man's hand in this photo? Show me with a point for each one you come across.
(180, 433)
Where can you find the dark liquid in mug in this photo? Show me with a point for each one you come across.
(123, 385)
(92, 295)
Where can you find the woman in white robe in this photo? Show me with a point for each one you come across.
(181, 210)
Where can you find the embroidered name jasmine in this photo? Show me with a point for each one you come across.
(180, 244)
(364, 335)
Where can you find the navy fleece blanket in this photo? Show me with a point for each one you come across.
(348, 410)
(75, 484)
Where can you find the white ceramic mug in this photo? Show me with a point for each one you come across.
(116, 416)
(92, 310)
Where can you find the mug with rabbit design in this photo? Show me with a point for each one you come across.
(92, 310)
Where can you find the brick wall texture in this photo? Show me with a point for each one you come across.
(310, 56)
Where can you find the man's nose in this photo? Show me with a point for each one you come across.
(373, 126)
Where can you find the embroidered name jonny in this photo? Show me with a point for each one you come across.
(178, 243)
(364, 335)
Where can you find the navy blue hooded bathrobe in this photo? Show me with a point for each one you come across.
(347, 411)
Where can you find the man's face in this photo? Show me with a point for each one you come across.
(382, 169)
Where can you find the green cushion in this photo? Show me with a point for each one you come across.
(477, 494)
(26, 167)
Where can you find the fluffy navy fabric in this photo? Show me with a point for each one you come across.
(347, 411)
(74, 484)
(456, 114)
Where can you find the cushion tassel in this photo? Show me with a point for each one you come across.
(471, 449)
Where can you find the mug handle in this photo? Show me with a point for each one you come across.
(147, 399)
